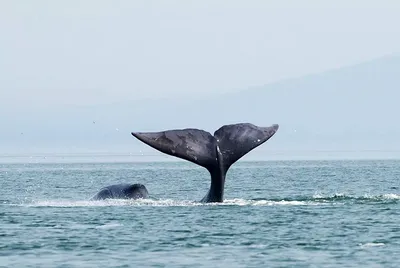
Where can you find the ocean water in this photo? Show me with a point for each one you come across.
(276, 214)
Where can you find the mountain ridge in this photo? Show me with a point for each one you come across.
(353, 107)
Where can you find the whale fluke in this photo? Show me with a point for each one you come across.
(215, 153)
(234, 141)
(194, 145)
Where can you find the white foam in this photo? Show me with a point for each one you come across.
(316, 199)
(368, 245)
(162, 203)
(281, 203)
(336, 195)
(365, 196)
(391, 196)
(109, 226)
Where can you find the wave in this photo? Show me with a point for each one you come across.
(365, 197)
(372, 244)
(315, 200)
(156, 203)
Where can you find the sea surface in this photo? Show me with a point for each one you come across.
(275, 214)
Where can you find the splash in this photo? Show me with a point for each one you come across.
(365, 197)
(317, 199)
(158, 203)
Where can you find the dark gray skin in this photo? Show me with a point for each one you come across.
(215, 153)
(122, 191)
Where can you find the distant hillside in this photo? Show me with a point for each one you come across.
(353, 108)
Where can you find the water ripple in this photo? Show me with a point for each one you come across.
(275, 214)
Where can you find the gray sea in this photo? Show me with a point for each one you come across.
(275, 214)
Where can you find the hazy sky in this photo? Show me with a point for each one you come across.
(101, 51)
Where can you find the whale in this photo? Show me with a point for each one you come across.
(216, 153)
(122, 191)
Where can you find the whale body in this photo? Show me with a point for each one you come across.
(122, 191)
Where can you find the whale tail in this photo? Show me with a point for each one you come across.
(200, 147)
(236, 140)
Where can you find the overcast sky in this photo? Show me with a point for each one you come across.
(96, 51)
